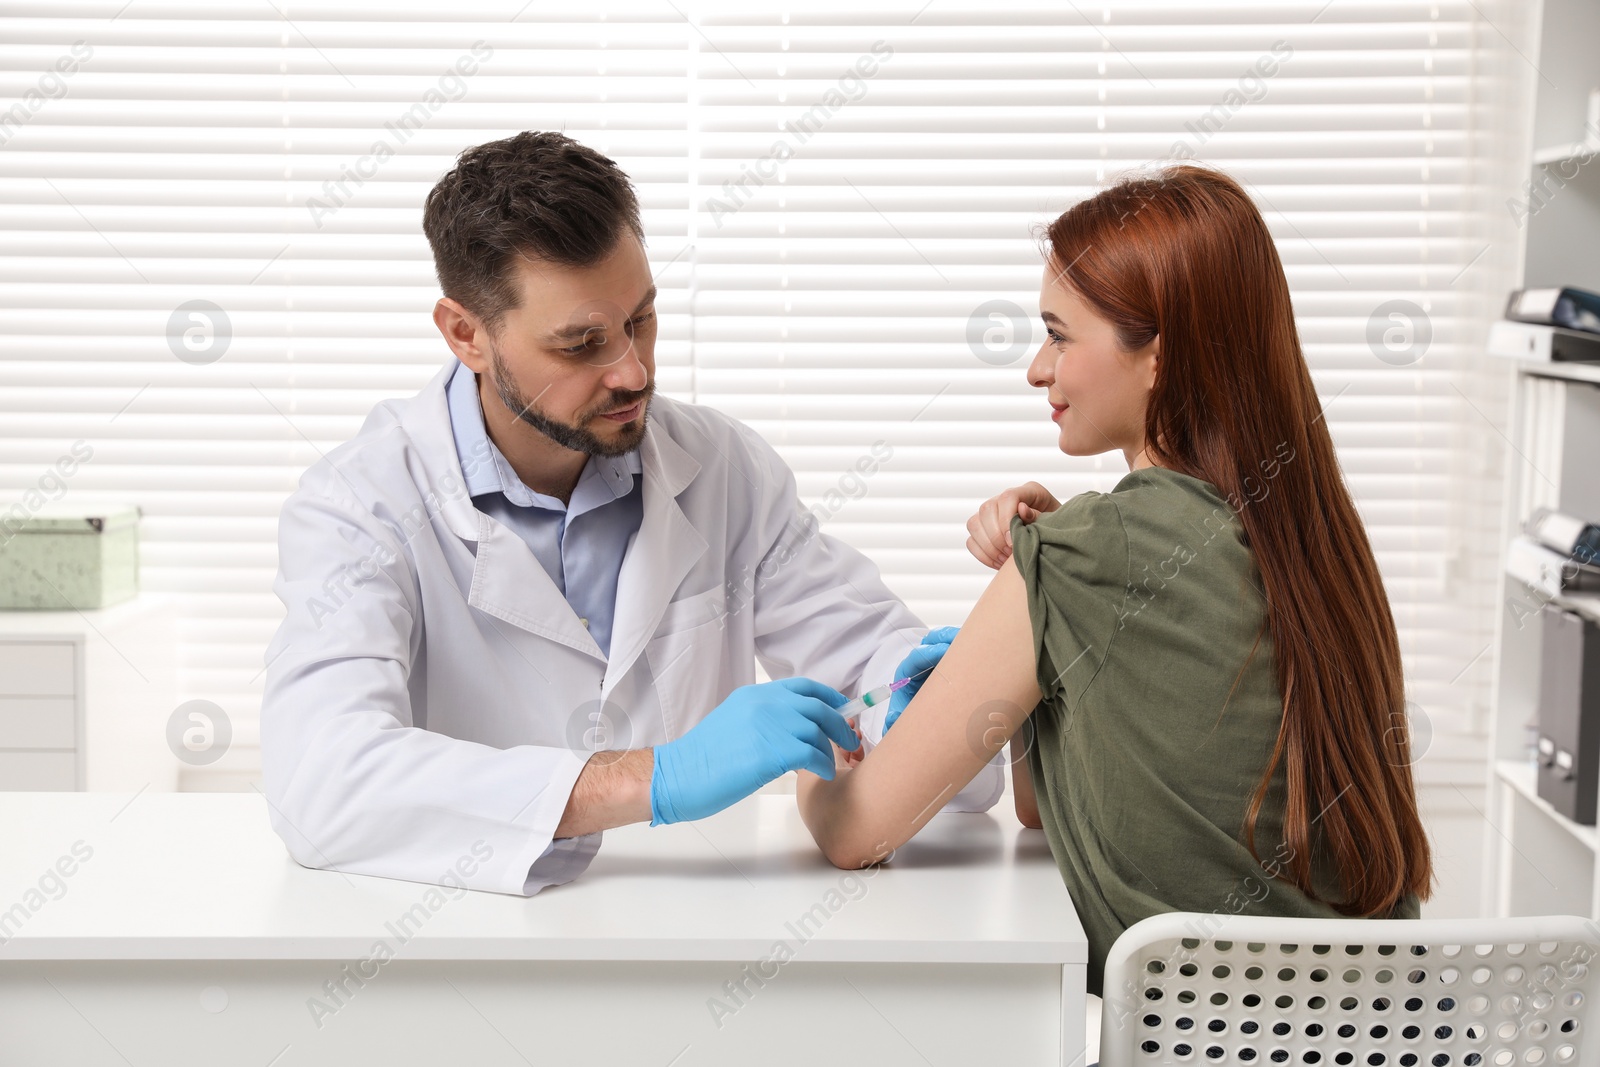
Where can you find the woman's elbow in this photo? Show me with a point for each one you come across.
(1028, 815)
(858, 851)
(848, 856)
(845, 861)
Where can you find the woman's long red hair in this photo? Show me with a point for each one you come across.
(1183, 254)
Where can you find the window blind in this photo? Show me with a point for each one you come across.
(870, 184)
(213, 262)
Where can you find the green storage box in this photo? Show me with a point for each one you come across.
(60, 559)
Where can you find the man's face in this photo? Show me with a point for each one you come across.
(576, 358)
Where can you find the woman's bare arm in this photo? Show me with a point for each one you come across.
(964, 713)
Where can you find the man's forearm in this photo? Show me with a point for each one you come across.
(613, 789)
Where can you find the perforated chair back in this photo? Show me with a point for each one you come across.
(1192, 988)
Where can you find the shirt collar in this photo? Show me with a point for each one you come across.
(486, 469)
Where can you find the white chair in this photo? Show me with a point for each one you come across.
(1188, 987)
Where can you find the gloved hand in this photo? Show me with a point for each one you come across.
(758, 733)
(917, 665)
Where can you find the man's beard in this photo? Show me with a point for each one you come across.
(575, 438)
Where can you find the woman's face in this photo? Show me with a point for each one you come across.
(1097, 391)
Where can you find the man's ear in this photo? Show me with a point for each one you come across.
(464, 334)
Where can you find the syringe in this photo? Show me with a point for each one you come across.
(870, 699)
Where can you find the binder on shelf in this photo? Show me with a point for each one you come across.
(1569, 714)
(1575, 538)
(1572, 309)
(1553, 575)
(1532, 343)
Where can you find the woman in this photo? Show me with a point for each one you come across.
(1198, 671)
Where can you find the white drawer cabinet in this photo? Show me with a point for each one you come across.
(38, 722)
(85, 697)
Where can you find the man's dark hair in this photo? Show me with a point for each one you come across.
(536, 194)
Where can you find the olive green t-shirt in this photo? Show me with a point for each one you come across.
(1160, 710)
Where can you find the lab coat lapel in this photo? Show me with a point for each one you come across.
(508, 581)
(434, 463)
(663, 552)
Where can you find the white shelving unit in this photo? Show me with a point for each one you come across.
(85, 697)
(1539, 861)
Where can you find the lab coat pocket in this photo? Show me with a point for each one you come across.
(691, 611)
(687, 657)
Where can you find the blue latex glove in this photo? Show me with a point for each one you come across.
(917, 665)
(759, 733)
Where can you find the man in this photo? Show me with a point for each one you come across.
(524, 606)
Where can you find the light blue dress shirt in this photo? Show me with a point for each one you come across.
(579, 544)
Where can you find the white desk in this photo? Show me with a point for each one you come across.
(188, 936)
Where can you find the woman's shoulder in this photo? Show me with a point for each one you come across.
(1097, 535)
(1159, 490)
(1149, 496)
(1087, 517)
(1084, 539)
(1085, 507)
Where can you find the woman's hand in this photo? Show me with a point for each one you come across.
(989, 529)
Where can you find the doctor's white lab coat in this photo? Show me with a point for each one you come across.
(430, 695)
